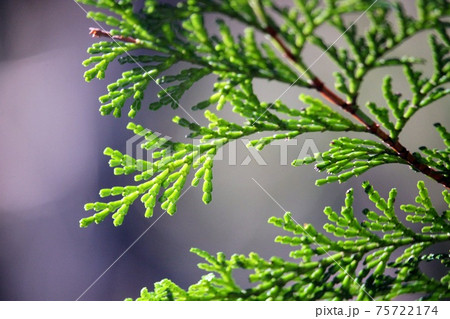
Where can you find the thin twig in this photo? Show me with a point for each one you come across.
(97, 33)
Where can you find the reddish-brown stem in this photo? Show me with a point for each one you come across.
(274, 34)
(97, 33)
(361, 117)
(375, 129)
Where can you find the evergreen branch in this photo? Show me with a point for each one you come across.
(358, 267)
(364, 119)
(361, 266)
(376, 130)
(174, 161)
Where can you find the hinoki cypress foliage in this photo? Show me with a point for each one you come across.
(356, 260)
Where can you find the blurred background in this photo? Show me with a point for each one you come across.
(51, 142)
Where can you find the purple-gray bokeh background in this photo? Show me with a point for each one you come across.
(51, 143)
